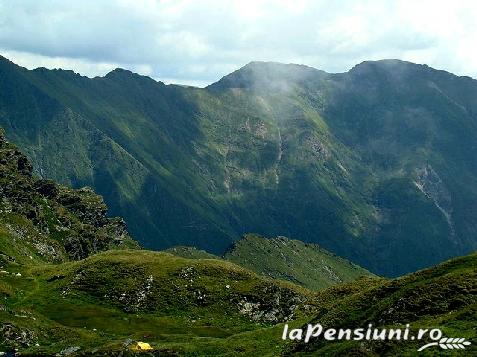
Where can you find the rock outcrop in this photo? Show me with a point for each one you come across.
(58, 222)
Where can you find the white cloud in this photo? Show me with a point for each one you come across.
(198, 41)
(82, 66)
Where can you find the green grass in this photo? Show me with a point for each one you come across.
(304, 264)
(172, 316)
(443, 297)
(191, 253)
(79, 304)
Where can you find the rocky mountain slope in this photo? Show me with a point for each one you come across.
(53, 304)
(41, 221)
(376, 164)
(54, 301)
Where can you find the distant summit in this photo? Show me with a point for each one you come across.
(264, 75)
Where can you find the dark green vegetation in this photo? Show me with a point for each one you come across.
(53, 304)
(376, 164)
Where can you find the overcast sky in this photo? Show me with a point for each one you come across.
(198, 41)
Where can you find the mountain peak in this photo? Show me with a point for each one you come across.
(5, 62)
(406, 73)
(267, 75)
(125, 74)
(119, 72)
(383, 64)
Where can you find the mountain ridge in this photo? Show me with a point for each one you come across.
(348, 162)
(307, 265)
(254, 63)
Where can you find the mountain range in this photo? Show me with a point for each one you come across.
(376, 164)
(74, 283)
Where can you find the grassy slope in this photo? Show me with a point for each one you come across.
(191, 253)
(184, 306)
(442, 297)
(304, 264)
(301, 263)
(176, 304)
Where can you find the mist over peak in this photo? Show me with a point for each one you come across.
(268, 75)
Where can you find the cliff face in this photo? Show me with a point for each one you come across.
(40, 219)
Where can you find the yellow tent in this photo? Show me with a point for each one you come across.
(142, 346)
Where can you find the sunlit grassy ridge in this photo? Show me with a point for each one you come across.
(304, 264)
(443, 297)
(176, 304)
